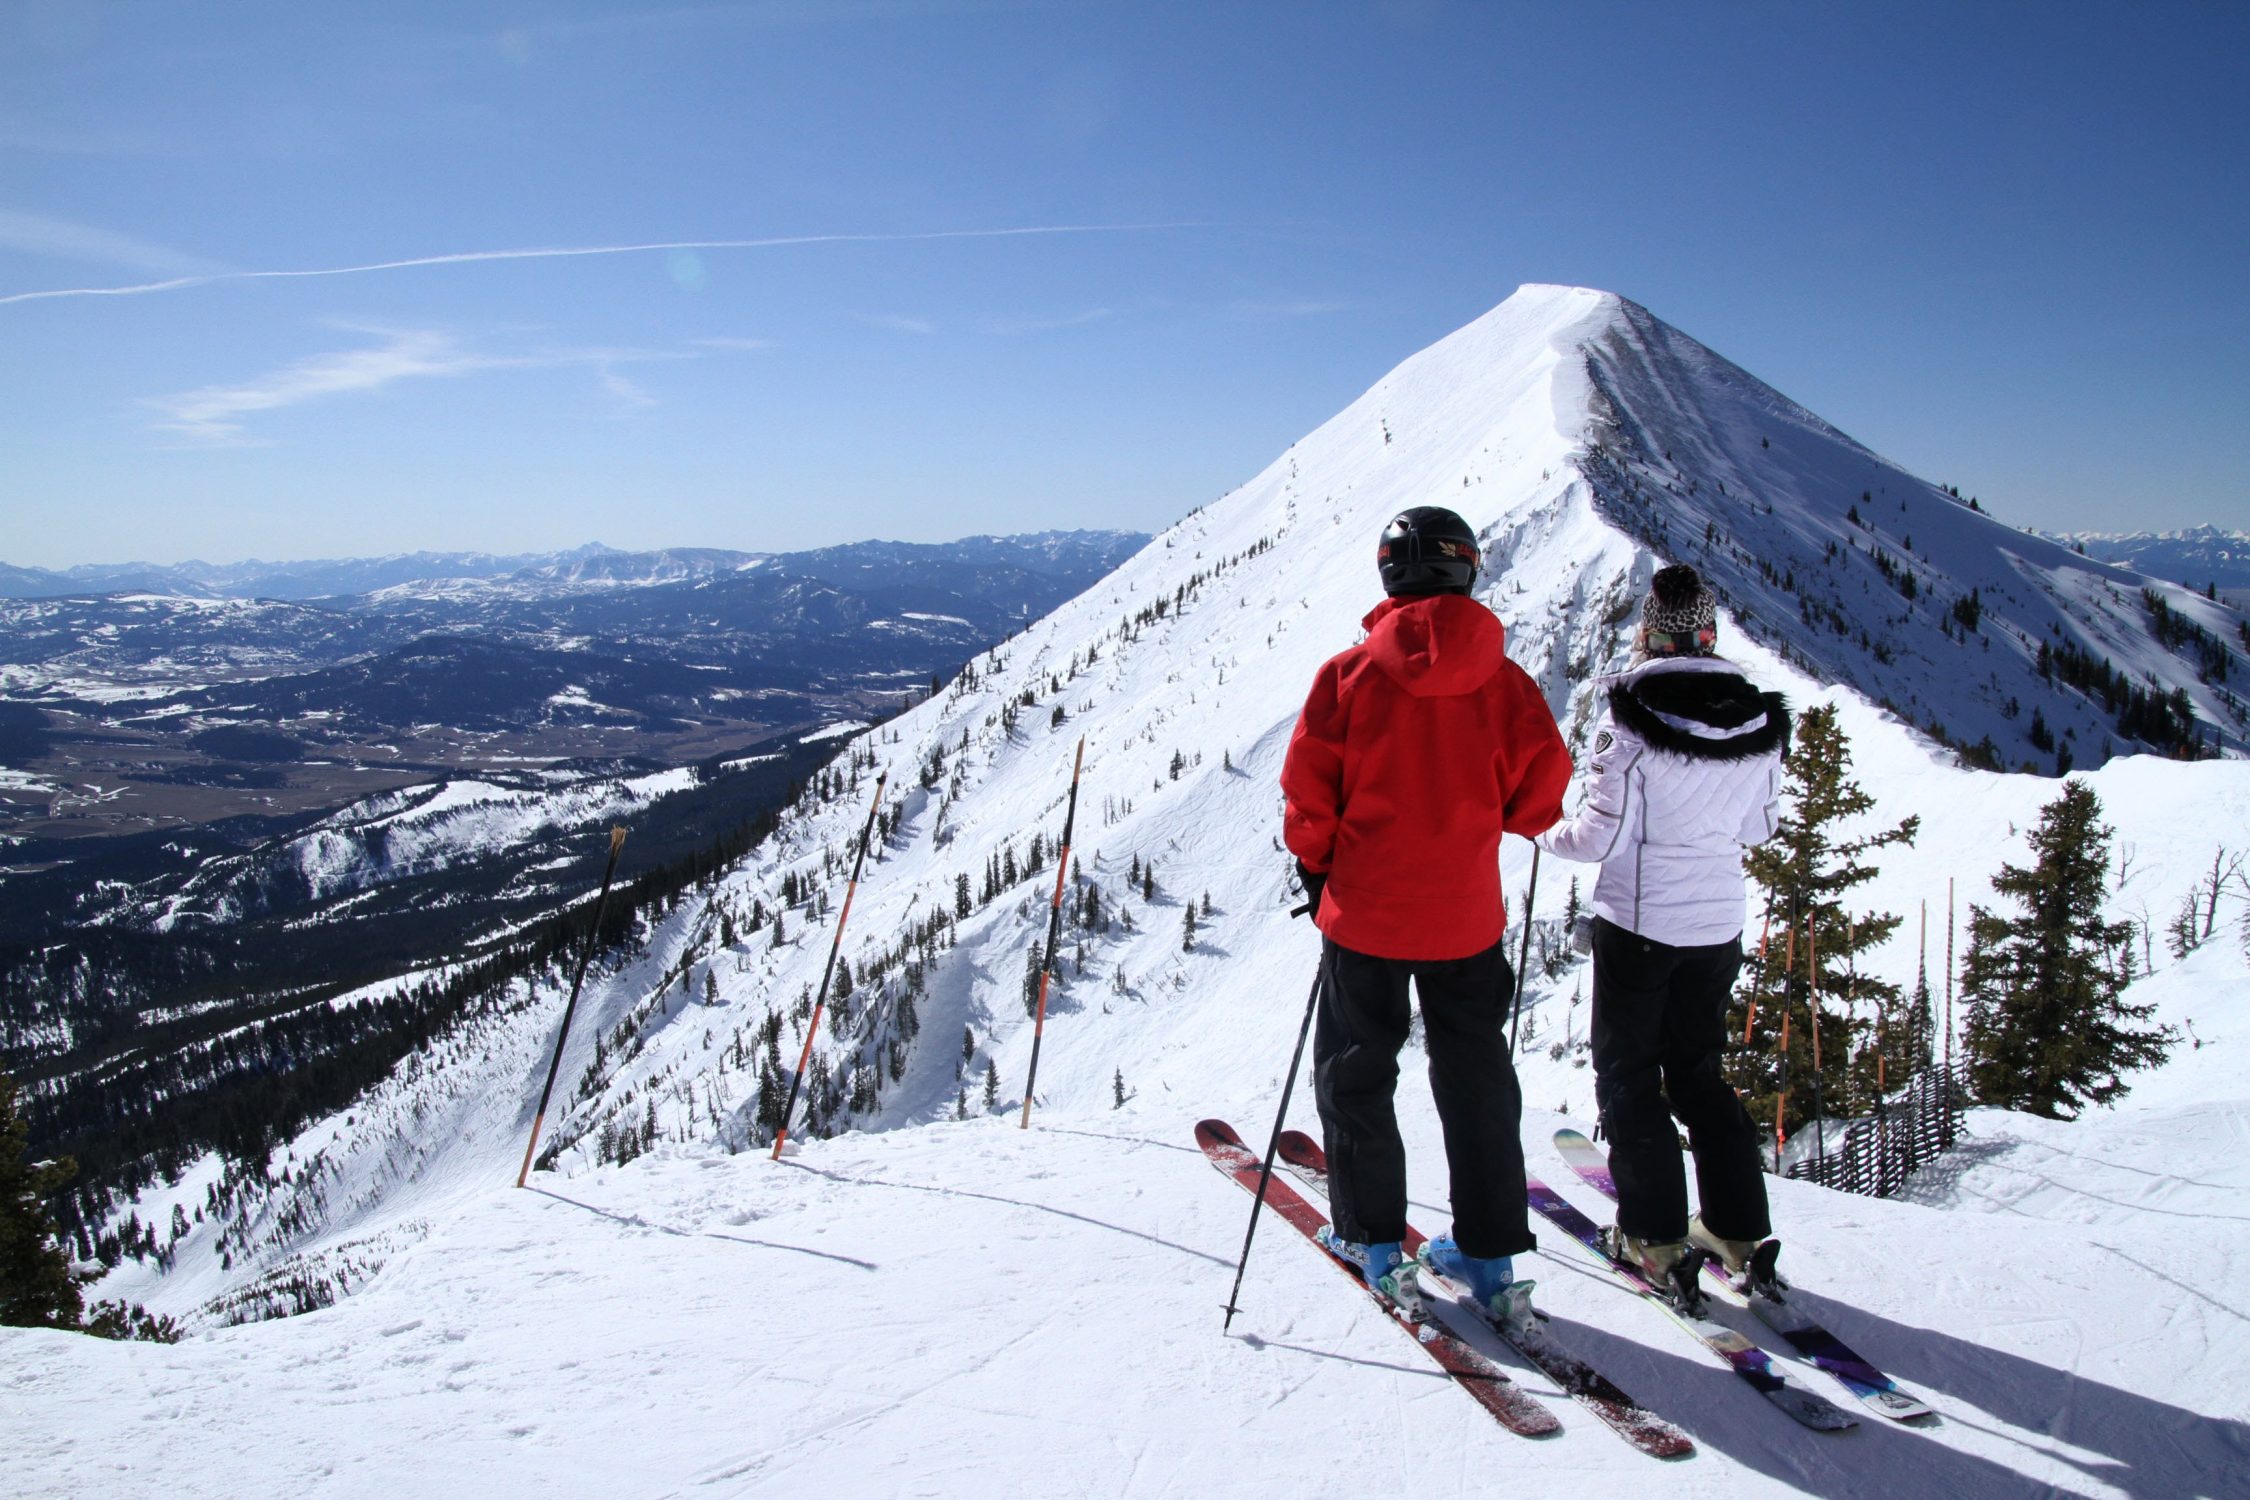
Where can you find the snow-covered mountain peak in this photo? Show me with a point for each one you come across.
(1586, 441)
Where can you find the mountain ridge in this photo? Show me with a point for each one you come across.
(1183, 669)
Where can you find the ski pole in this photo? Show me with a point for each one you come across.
(1265, 1173)
(593, 937)
(1054, 929)
(804, 1059)
(1523, 961)
(1765, 973)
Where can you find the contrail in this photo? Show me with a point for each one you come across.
(559, 252)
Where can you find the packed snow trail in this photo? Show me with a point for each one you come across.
(971, 1309)
(1043, 1306)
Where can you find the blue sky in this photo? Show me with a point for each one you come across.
(2002, 244)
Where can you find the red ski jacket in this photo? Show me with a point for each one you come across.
(1416, 749)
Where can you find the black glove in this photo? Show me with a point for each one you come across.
(1314, 883)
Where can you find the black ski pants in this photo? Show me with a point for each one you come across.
(1660, 1018)
(1362, 1024)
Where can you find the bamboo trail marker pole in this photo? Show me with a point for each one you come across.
(1788, 966)
(820, 1003)
(1922, 984)
(1265, 1173)
(1523, 961)
(1949, 986)
(1812, 1008)
(1781, 1094)
(1054, 930)
(593, 939)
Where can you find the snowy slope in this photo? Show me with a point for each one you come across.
(991, 1276)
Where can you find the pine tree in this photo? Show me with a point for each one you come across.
(991, 1084)
(1187, 932)
(1031, 973)
(1807, 871)
(38, 1287)
(2048, 1028)
(961, 906)
(968, 1046)
(1117, 1089)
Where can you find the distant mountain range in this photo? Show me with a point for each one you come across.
(2198, 556)
(328, 578)
(442, 574)
(131, 709)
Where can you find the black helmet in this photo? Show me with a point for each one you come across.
(1427, 550)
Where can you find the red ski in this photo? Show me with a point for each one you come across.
(1510, 1404)
(1593, 1390)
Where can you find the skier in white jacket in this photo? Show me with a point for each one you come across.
(1685, 776)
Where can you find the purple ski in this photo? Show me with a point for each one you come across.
(1815, 1344)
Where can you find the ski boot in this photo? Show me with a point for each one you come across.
(1388, 1271)
(1750, 1264)
(1488, 1280)
(1671, 1266)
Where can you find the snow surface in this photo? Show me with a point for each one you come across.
(930, 1306)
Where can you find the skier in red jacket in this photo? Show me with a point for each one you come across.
(1416, 750)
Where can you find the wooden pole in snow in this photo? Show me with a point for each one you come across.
(1949, 986)
(820, 1003)
(1054, 930)
(593, 937)
(1812, 1007)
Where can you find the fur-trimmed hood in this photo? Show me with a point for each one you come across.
(1700, 707)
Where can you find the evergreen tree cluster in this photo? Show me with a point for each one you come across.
(39, 1286)
(2048, 1028)
(1805, 993)
(2147, 713)
(2183, 636)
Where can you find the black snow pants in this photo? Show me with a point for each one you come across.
(1659, 1032)
(1362, 1024)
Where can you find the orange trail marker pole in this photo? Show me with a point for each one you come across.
(1781, 1095)
(1788, 965)
(1054, 930)
(593, 936)
(1949, 982)
(804, 1059)
(1922, 987)
(1812, 1007)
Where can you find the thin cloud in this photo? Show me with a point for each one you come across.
(474, 257)
(214, 415)
(732, 344)
(36, 234)
(897, 324)
(1013, 326)
(1267, 310)
(629, 395)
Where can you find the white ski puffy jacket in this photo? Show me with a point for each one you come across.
(1685, 777)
